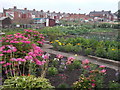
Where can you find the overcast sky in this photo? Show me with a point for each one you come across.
(68, 6)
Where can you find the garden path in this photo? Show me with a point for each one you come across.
(108, 63)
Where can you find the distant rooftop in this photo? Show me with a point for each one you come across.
(100, 12)
(2, 18)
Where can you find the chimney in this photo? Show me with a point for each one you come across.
(15, 7)
(48, 11)
(109, 11)
(33, 9)
(41, 10)
(25, 8)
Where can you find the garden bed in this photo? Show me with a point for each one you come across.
(79, 45)
(68, 76)
(71, 76)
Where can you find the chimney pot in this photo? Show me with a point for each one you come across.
(41, 10)
(25, 8)
(48, 11)
(15, 7)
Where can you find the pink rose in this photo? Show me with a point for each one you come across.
(59, 56)
(1, 62)
(1, 54)
(86, 61)
(103, 71)
(102, 66)
(71, 58)
(93, 84)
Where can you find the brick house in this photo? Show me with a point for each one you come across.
(18, 15)
(77, 17)
(25, 16)
(103, 16)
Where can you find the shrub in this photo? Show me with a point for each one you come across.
(114, 85)
(26, 82)
(100, 52)
(70, 67)
(113, 53)
(84, 83)
(91, 77)
(77, 48)
(104, 25)
(62, 66)
(52, 71)
(69, 63)
(116, 26)
(55, 62)
(77, 64)
(21, 53)
(68, 47)
(88, 51)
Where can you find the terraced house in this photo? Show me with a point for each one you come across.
(103, 16)
(77, 17)
(25, 16)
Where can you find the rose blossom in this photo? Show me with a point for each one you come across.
(103, 71)
(1, 54)
(1, 62)
(59, 56)
(86, 61)
(102, 66)
(71, 58)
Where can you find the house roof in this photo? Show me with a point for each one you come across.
(100, 12)
(2, 18)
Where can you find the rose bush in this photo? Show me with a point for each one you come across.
(21, 51)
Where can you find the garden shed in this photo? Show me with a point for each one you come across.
(5, 22)
(44, 21)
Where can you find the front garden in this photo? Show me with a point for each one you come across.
(26, 65)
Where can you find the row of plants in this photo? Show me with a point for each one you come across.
(114, 25)
(54, 32)
(105, 49)
(58, 31)
(9, 31)
(74, 29)
(108, 25)
(102, 36)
